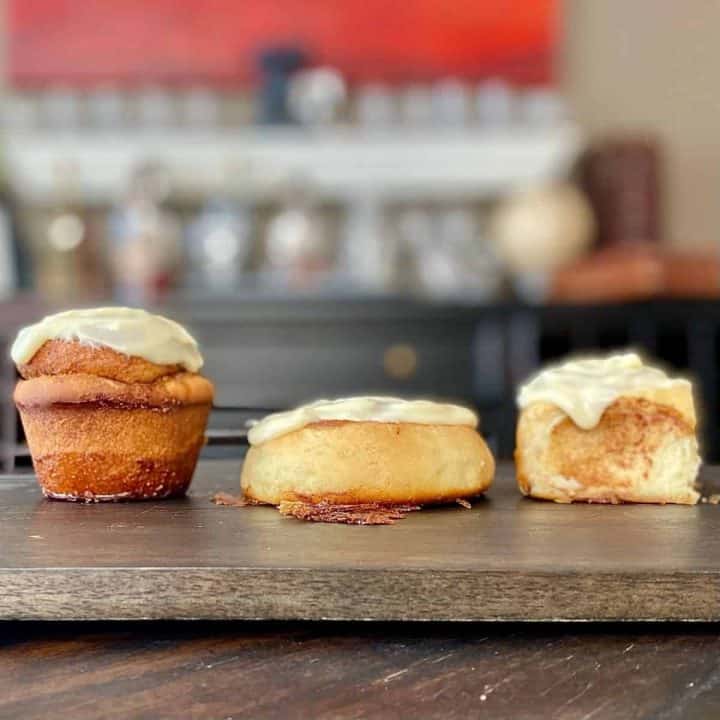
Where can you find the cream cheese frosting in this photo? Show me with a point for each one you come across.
(583, 389)
(130, 331)
(361, 409)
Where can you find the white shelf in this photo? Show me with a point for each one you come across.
(335, 163)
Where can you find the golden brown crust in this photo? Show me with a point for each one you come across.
(346, 463)
(104, 426)
(169, 391)
(640, 451)
(62, 357)
(97, 453)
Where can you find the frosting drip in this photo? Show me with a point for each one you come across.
(585, 388)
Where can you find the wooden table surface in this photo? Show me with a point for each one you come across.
(586, 671)
(371, 670)
(507, 558)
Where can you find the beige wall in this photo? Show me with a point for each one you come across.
(3, 11)
(655, 64)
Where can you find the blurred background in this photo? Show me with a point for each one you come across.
(419, 198)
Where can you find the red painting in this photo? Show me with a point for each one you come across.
(85, 42)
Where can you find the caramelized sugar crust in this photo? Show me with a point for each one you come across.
(102, 426)
(62, 357)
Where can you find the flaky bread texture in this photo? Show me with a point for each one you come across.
(346, 462)
(643, 450)
(103, 426)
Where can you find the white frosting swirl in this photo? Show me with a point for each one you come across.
(361, 409)
(128, 330)
(585, 388)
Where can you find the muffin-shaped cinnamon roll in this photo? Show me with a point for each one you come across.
(112, 404)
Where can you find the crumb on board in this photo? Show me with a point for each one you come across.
(360, 514)
(713, 499)
(324, 512)
(223, 498)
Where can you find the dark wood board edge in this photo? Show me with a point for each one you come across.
(351, 594)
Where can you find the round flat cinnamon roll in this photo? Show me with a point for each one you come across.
(367, 450)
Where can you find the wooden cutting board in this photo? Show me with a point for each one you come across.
(509, 558)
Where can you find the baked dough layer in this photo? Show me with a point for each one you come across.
(105, 426)
(642, 450)
(94, 453)
(168, 391)
(346, 462)
(62, 357)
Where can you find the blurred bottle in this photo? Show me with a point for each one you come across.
(463, 264)
(621, 177)
(155, 108)
(20, 111)
(146, 250)
(367, 257)
(200, 109)
(495, 104)
(415, 234)
(317, 96)
(299, 254)
(106, 108)
(450, 104)
(375, 106)
(277, 64)
(60, 109)
(218, 242)
(452, 260)
(70, 254)
(416, 106)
